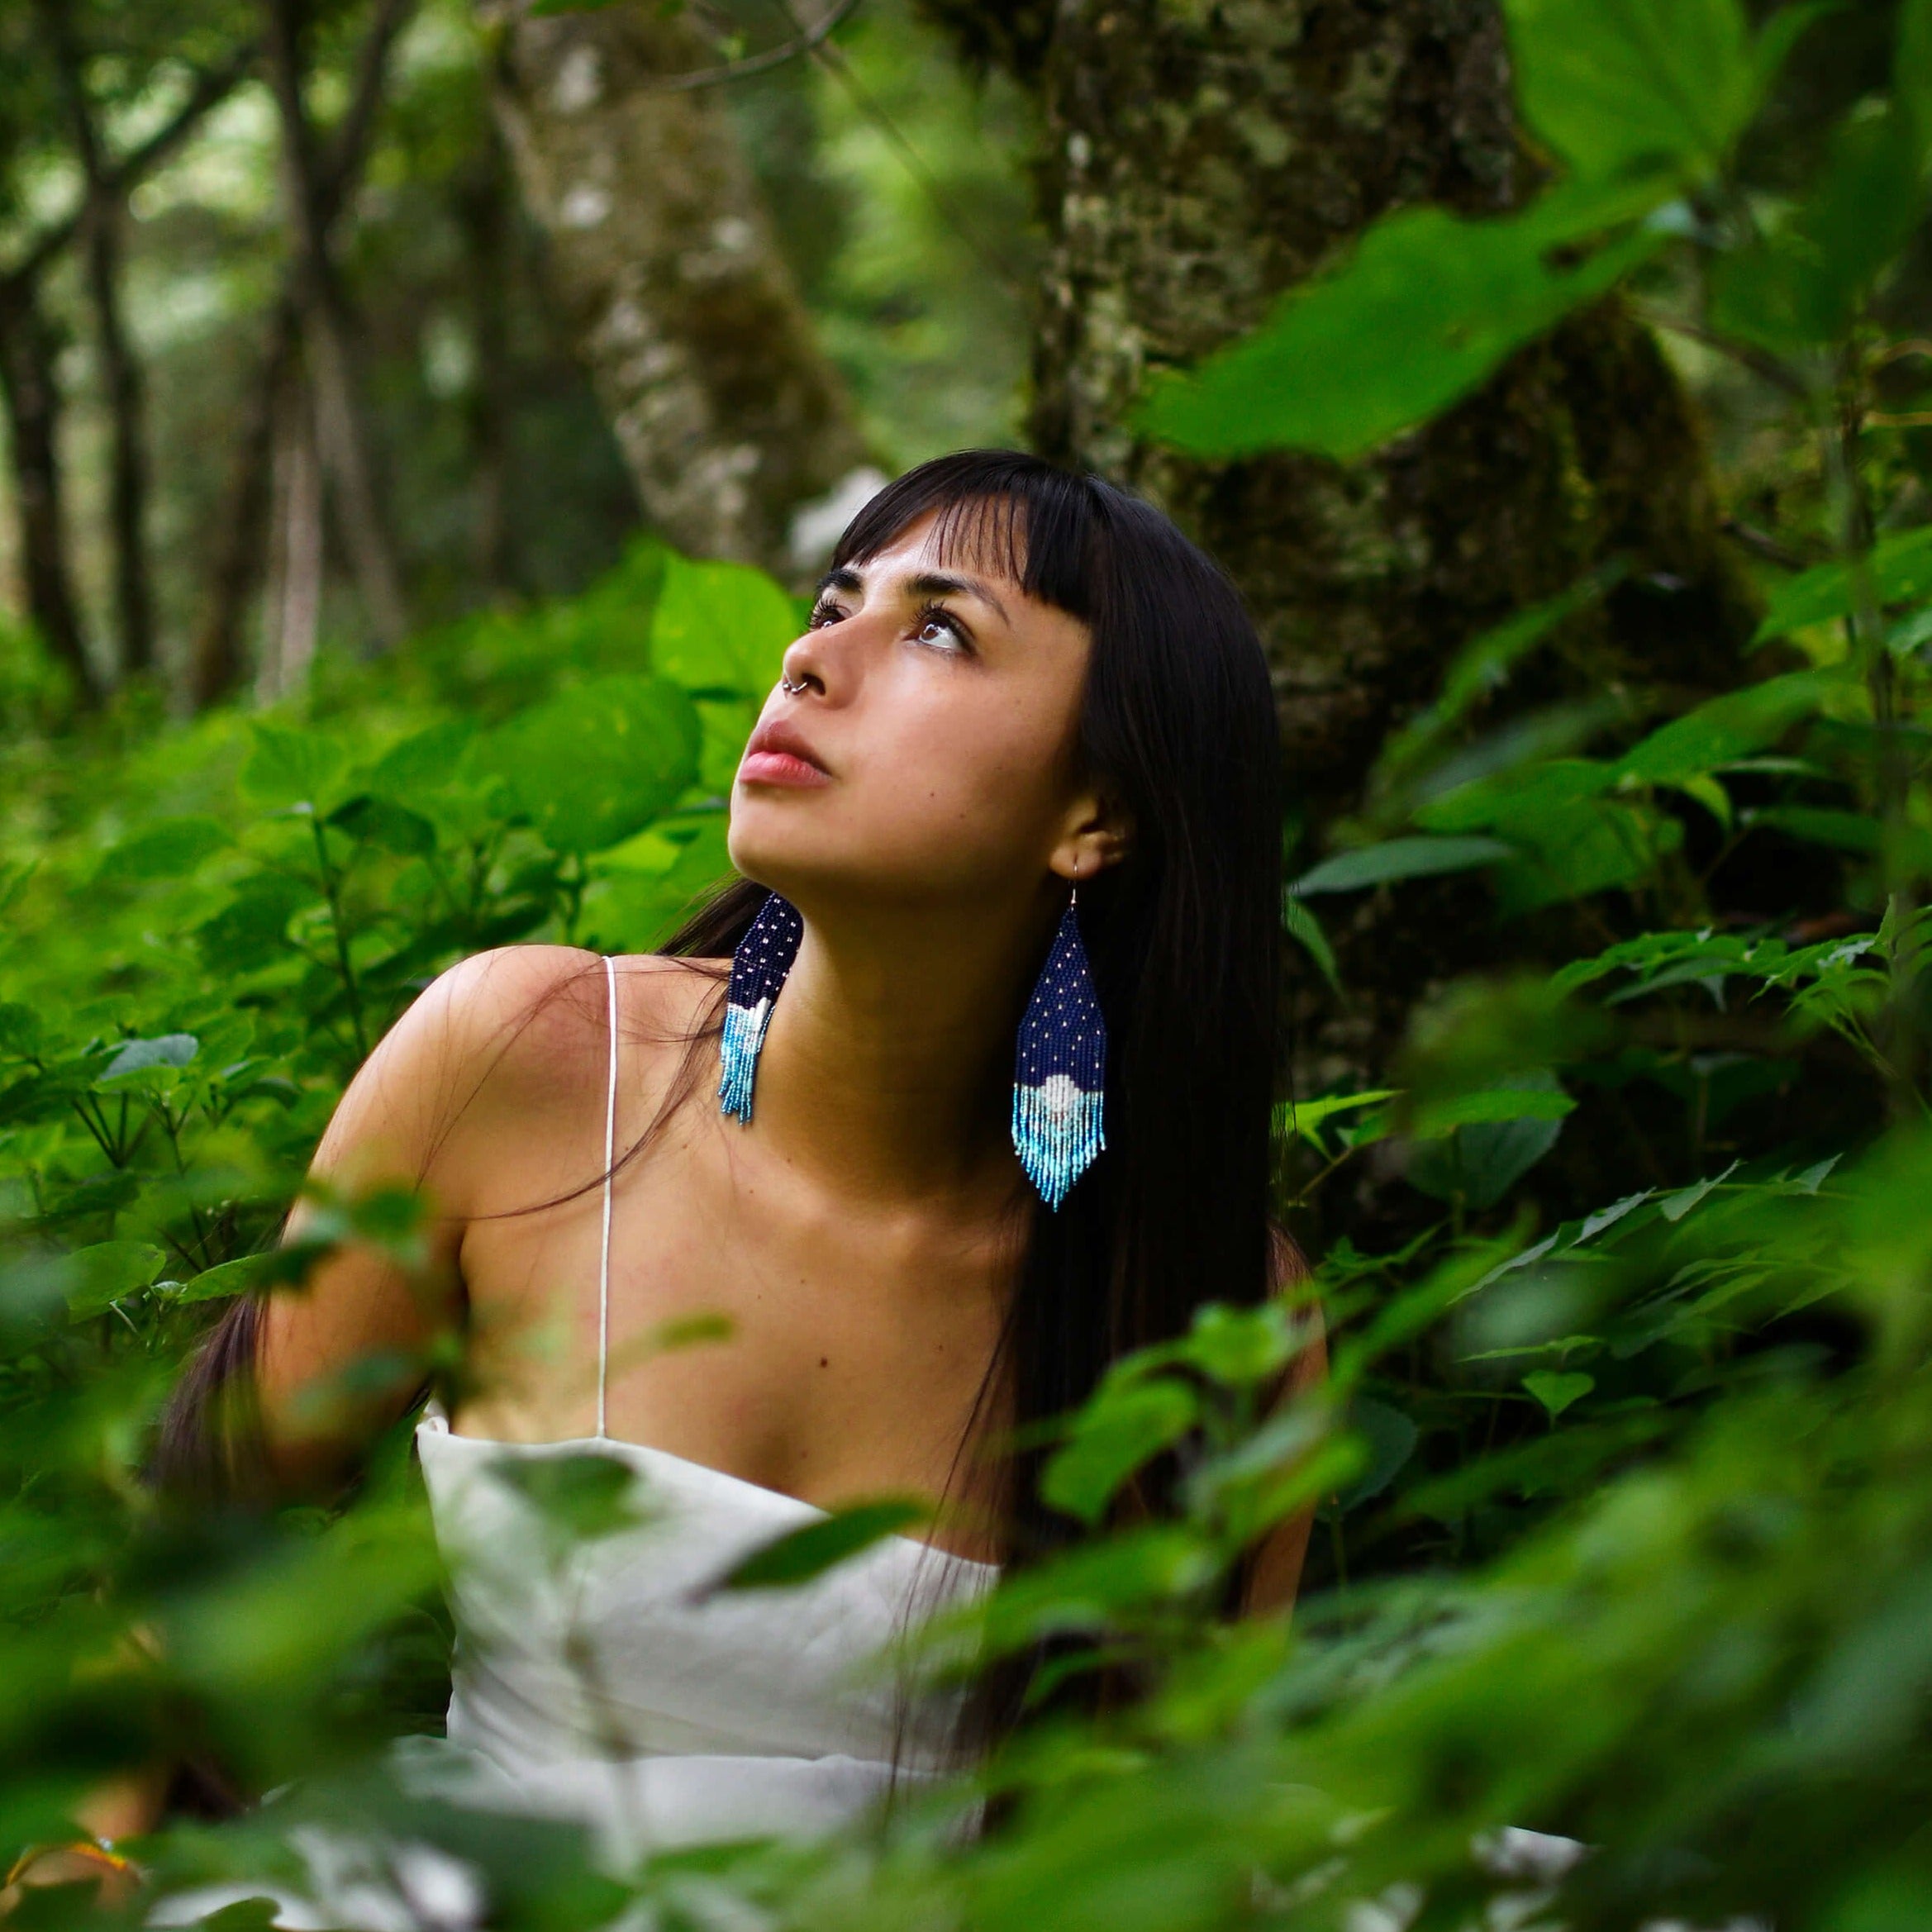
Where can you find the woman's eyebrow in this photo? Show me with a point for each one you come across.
(928, 584)
(934, 584)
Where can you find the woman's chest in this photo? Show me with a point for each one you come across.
(742, 1323)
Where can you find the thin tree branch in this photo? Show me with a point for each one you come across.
(1768, 367)
(210, 89)
(806, 40)
(121, 369)
(341, 166)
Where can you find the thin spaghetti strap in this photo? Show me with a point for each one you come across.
(610, 1157)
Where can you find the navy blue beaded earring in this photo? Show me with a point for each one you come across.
(759, 967)
(1060, 1068)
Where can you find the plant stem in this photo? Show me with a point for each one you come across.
(344, 966)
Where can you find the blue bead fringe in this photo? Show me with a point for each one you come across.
(739, 1049)
(1056, 1132)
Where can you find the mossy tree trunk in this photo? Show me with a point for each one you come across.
(729, 416)
(1199, 159)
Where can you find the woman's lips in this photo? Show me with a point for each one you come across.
(779, 768)
(779, 753)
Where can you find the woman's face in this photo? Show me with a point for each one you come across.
(931, 754)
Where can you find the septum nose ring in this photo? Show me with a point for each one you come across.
(789, 688)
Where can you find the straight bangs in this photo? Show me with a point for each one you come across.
(1001, 511)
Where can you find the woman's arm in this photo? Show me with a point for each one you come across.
(293, 1386)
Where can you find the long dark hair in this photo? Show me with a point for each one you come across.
(1178, 725)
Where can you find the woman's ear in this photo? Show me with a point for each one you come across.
(1100, 833)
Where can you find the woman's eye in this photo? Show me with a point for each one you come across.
(938, 627)
(823, 615)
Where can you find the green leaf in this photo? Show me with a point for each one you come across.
(1846, 832)
(1595, 846)
(287, 766)
(98, 1276)
(1481, 667)
(1303, 926)
(140, 1056)
(1802, 284)
(1398, 858)
(240, 1277)
(381, 821)
(1516, 801)
(1438, 1117)
(1117, 1432)
(581, 1497)
(1557, 1390)
(171, 848)
(253, 928)
(1726, 728)
(1389, 1438)
(721, 628)
(1900, 567)
(1306, 1116)
(1617, 85)
(1480, 1161)
(423, 765)
(1241, 1347)
(598, 763)
(821, 1545)
(1421, 313)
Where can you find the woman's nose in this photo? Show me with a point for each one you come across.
(805, 666)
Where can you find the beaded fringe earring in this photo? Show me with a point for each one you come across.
(759, 967)
(1060, 1068)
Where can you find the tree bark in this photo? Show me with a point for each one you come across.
(486, 211)
(33, 407)
(314, 202)
(217, 660)
(1197, 161)
(121, 375)
(729, 416)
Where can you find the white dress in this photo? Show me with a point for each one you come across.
(597, 1680)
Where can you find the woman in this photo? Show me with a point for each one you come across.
(1028, 722)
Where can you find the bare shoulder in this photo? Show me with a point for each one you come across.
(517, 1033)
(530, 1025)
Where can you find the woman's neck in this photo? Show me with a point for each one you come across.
(886, 1070)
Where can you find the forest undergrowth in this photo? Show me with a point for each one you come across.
(1625, 1497)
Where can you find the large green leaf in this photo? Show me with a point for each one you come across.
(289, 767)
(1425, 308)
(98, 1276)
(1398, 858)
(1114, 1435)
(1512, 799)
(1616, 85)
(721, 628)
(1480, 1160)
(170, 848)
(1900, 567)
(1726, 728)
(598, 763)
(1594, 846)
